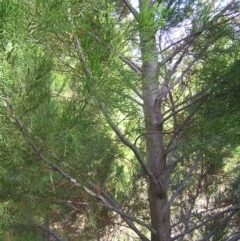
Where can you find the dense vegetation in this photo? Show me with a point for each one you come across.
(119, 120)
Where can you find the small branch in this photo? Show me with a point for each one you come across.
(183, 182)
(128, 144)
(205, 212)
(132, 98)
(183, 102)
(133, 227)
(137, 92)
(49, 230)
(127, 216)
(218, 215)
(189, 66)
(219, 226)
(189, 40)
(173, 142)
(82, 58)
(170, 150)
(67, 202)
(181, 109)
(132, 65)
(227, 7)
(180, 78)
(131, 9)
(193, 202)
(177, 42)
(180, 58)
(108, 202)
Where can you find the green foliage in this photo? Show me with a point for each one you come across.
(59, 61)
(58, 114)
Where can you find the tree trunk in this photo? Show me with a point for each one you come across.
(156, 158)
(158, 198)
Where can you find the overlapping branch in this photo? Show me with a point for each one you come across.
(232, 211)
(106, 199)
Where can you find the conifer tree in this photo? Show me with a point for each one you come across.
(117, 112)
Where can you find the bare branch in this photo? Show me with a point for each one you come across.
(218, 215)
(49, 230)
(188, 40)
(122, 213)
(133, 227)
(183, 182)
(234, 237)
(128, 144)
(180, 58)
(132, 98)
(194, 198)
(184, 72)
(53, 200)
(219, 226)
(197, 95)
(108, 201)
(131, 9)
(82, 58)
(137, 92)
(179, 79)
(177, 42)
(206, 211)
(181, 109)
(227, 7)
(132, 65)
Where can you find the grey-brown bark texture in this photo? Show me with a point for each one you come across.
(156, 158)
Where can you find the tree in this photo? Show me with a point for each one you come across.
(70, 87)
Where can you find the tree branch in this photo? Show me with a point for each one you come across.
(183, 182)
(125, 215)
(180, 58)
(67, 202)
(188, 40)
(219, 226)
(218, 215)
(132, 65)
(205, 212)
(128, 143)
(181, 109)
(108, 202)
(183, 102)
(131, 9)
(234, 237)
(179, 79)
(133, 99)
(49, 230)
